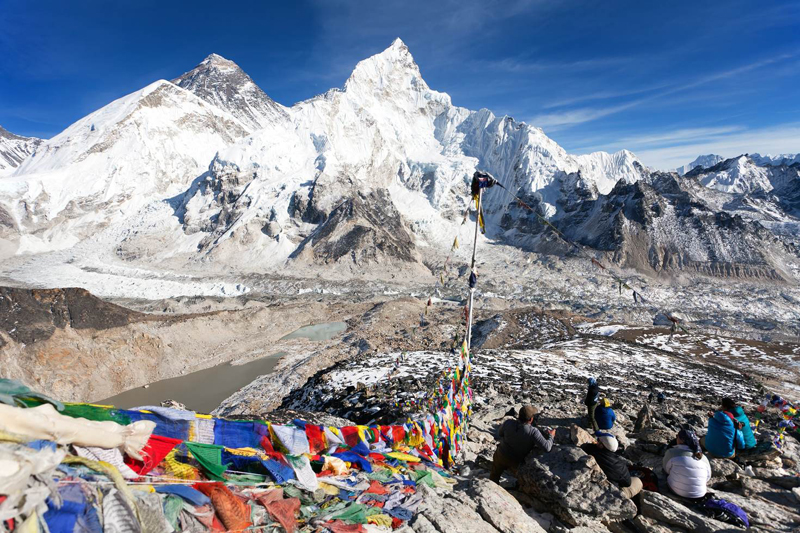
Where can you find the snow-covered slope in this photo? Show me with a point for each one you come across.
(222, 83)
(743, 175)
(14, 149)
(769, 194)
(736, 175)
(703, 161)
(143, 147)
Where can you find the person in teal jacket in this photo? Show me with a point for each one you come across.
(724, 435)
(738, 413)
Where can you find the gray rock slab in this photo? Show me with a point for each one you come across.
(572, 486)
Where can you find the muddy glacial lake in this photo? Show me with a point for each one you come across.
(204, 390)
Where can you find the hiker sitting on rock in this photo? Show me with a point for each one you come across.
(592, 399)
(738, 414)
(613, 466)
(688, 470)
(517, 439)
(724, 435)
(604, 415)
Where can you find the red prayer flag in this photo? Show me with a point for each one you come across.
(316, 439)
(155, 450)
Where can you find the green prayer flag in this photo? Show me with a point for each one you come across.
(210, 458)
(98, 414)
(424, 476)
(14, 392)
(173, 505)
(356, 513)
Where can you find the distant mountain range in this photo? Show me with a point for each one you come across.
(208, 169)
(708, 161)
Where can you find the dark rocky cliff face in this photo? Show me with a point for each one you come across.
(222, 83)
(664, 224)
(365, 228)
(29, 315)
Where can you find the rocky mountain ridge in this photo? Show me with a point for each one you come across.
(14, 149)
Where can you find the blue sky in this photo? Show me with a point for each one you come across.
(667, 80)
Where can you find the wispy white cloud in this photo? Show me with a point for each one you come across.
(602, 95)
(679, 136)
(564, 119)
(527, 65)
(571, 117)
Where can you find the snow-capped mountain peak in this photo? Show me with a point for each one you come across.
(775, 160)
(703, 161)
(738, 175)
(219, 62)
(390, 75)
(222, 83)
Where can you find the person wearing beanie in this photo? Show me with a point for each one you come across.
(724, 434)
(591, 401)
(613, 466)
(604, 415)
(688, 470)
(517, 439)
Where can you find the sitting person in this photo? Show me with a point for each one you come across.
(724, 435)
(517, 439)
(688, 470)
(591, 401)
(613, 466)
(604, 415)
(738, 413)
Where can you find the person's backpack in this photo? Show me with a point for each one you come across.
(646, 475)
(726, 511)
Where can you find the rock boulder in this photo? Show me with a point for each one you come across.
(572, 486)
(667, 511)
(579, 436)
(500, 509)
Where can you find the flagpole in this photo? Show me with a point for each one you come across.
(472, 269)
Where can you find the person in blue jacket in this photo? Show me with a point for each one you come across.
(724, 435)
(605, 415)
(738, 413)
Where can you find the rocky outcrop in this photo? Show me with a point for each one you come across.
(28, 315)
(665, 223)
(364, 229)
(569, 484)
(667, 511)
(480, 506)
(500, 509)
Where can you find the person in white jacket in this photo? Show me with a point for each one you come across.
(688, 470)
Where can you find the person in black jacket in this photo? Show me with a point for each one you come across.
(517, 439)
(613, 466)
(592, 399)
